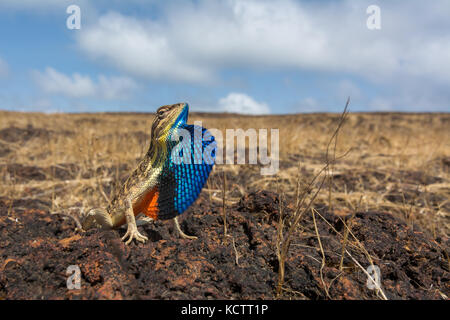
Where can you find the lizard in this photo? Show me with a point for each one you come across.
(159, 187)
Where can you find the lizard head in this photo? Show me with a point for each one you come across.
(167, 119)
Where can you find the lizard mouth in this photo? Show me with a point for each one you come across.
(181, 113)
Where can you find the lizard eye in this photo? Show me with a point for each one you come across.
(160, 113)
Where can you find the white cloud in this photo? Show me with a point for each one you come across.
(194, 42)
(140, 48)
(4, 70)
(112, 88)
(81, 86)
(52, 81)
(242, 103)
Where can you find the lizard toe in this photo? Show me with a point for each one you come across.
(142, 239)
(139, 237)
(126, 235)
(134, 234)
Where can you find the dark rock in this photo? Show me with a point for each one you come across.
(36, 248)
(263, 202)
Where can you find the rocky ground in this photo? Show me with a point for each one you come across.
(390, 208)
(36, 248)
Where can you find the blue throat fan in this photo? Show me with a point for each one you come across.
(186, 169)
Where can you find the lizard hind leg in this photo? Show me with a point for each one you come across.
(180, 232)
(97, 217)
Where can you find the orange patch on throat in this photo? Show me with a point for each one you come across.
(149, 204)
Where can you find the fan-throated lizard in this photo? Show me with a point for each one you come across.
(160, 187)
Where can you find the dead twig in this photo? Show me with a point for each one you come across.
(223, 205)
(303, 205)
(322, 252)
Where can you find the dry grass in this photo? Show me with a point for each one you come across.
(397, 162)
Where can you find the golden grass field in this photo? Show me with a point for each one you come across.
(392, 162)
(380, 162)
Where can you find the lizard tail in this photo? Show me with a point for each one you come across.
(96, 217)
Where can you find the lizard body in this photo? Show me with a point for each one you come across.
(157, 187)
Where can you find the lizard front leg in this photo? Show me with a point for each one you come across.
(132, 231)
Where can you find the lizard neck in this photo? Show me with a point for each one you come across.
(157, 153)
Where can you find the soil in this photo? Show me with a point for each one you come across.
(36, 248)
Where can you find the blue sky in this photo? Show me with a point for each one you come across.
(233, 55)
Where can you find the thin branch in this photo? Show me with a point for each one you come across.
(323, 253)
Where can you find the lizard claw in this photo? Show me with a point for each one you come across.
(133, 233)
